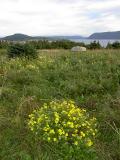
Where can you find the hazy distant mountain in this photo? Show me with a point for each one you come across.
(17, 37)
(102, 35)
(105, 35)
(67, 37)
(23, 37)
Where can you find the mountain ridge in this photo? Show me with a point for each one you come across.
(24, 37)
(96, 36)
(16, 37)
(105, 35)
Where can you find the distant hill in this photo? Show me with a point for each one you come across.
(23, 37)
(105, 35)
(17, 37)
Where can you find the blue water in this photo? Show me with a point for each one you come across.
(102, 42)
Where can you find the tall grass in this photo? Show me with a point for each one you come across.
(91, 79)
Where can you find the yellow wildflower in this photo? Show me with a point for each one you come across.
(56, 120)
(52, 131)
(82, 134)
(63, 122)
(93, 133)
(83, 124)
(76, 131)
(70, 124)
(60, 131)
(76, 143)
(48, 139)
(74, 135)
(45, 129)
(55, 139)
(74, 118)
(89, 143)
(66, 134)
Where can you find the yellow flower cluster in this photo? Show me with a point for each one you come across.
(63, 122)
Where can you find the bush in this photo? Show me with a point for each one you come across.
(21, 50)
(66, 128)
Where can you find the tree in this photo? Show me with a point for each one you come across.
(21, 50)
(94, 45)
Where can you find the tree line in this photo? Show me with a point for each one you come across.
(61, 44)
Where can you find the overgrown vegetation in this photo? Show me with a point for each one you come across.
(91, 79)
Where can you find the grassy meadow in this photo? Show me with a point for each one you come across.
(91, 79)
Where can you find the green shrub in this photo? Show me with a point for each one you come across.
(65, 127)
(21, 50)
(94, 45)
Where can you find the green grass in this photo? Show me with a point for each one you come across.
(91, 79)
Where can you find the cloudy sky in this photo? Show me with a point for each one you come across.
(59, 17)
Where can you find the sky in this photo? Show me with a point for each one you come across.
(58, 17)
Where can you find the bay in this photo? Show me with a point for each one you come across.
(103, 42)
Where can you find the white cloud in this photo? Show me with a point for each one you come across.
(58, 17)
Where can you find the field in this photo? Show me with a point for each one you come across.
(91, 79)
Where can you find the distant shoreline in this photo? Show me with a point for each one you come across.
(103, 42)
